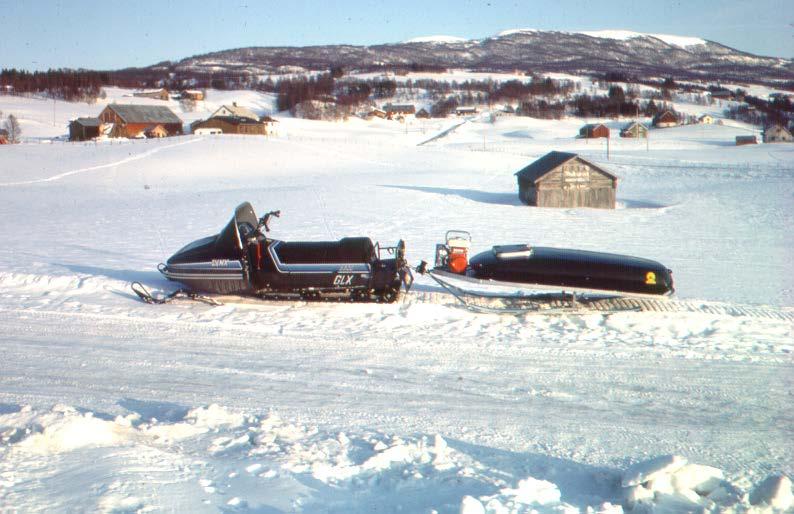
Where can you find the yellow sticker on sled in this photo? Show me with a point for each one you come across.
(650, 278)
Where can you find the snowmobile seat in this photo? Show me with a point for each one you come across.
(346, 250)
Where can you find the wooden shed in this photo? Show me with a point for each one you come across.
(634, 129)
(83, 129)
(560, 179)
(594, 130)
(422, 114)
(746, 140)
(133, 120)
(777, 134)
(706, 119)
(465, 111)
(157, 94)
(232, 125)
(665, 119)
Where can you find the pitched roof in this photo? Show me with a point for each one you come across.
(268, 119)
(88, 122)
(145, 113)
(236, 110)
(550, 161)
(632, 124)
(594, 125)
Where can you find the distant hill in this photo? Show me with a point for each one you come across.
(630, 53)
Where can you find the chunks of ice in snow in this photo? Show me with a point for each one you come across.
(696, 477)
(471, 505)
(774, 491)
(214, 416)
(648, 470)
(532, 491)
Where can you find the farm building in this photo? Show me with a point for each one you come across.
(665, 119)
(235, 111)
(777, 134)
(83, 129)
(634, 129)
(594, 130)
(133, 120)
(231, 125)
(560, 179)
(746, 140)
(270, 124)
(157, 94)
(722, 94)
(377, 113)
(422, 114)
(706, 119)
(465, 111)
(3, 137)
(192, 94)
(392, 109)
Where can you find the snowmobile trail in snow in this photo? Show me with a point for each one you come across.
(554, 386)
(127, 160)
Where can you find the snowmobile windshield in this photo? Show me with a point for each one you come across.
(229, 242)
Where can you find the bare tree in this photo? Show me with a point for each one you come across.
(13, 128)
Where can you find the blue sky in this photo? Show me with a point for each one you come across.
(115, 34)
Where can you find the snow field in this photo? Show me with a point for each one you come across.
(209, 458)
(108, 404)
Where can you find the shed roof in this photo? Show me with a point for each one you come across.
(145, 113)
(551, 161)
(633, 124)
(594, 125)
(88, 122)
(240, 112)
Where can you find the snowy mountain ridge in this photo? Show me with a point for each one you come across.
(589, 52)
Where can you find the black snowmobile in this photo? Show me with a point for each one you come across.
(242, 260)
(524, 267)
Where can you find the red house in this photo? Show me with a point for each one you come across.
(594, 130)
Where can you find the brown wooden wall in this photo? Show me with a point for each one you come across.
(231, 128)
(79, 132)
(573, 184)
(133, 129)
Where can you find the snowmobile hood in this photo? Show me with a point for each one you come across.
(227, 244)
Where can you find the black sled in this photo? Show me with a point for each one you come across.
(528, 267)
(243, 260)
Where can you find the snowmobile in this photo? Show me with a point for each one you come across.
(525, 269)
(242, 260)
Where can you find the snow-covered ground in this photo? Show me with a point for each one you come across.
(108, 404)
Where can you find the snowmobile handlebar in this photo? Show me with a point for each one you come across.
(264, 221)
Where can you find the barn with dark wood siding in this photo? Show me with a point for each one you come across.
(232, 125)
(83, 129)
(133, 120)
(560, 179)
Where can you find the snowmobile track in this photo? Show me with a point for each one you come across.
(619, 304)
